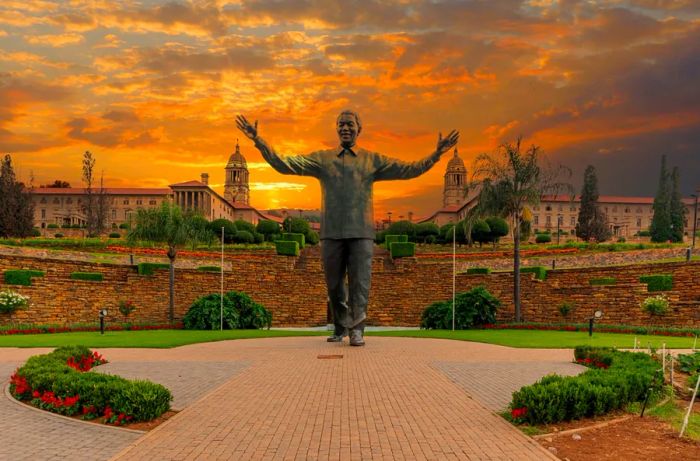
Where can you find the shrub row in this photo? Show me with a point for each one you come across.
(61, 382)
(40, 329)
(477, 271)
(21, 276)
(389, 239)
(402, 249)
(624, 329)
(209, 268)
(91, 276)
(294, 237)
(658, 282)
(614, 380)
(287, 248)
(539, 271)
(603, 281)
(239, 312)
(149, 268)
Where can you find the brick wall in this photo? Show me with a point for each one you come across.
(294, 290)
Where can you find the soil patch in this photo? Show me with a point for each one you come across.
(148, 425)
(645, 438)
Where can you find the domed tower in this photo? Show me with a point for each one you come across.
(236, 187)
(455, 182)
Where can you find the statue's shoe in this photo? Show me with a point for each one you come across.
(335, 339)
(356, 338)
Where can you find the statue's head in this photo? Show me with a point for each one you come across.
(349, 126)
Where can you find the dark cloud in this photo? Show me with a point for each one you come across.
(166, 61)
(107, 137)
(201, 16)
(117, 115)
(616, 27)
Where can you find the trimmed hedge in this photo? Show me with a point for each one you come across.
(60, 382)
(209, 268)
(539, 271)
(115, 235)
(543, 238)
(294, 237)
(658, 282)
(614, 380)
(603, 281)
(402, 249)
(478, 271)
(474, 308)
(287, 247)
(149, 268)
(389, 239)
(91, 276)
(21, 276)
(239, 312)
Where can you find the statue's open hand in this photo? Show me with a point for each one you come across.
(249, 130)
(448, 142)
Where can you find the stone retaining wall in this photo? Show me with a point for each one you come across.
(294, 290)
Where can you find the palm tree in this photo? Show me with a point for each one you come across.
(512, 180)
(170, 225)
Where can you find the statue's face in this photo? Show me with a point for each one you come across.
(347, 130)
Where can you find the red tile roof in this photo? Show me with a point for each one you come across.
(108, 191)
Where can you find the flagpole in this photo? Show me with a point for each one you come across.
(221, 313)
(454, 272)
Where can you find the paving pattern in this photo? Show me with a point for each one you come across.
(290, 398)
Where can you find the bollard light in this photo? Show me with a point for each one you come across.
(597, 315)
(103, 314)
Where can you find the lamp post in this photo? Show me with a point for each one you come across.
(695, 217)
(389, 214)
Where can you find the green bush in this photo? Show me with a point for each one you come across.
(543, 238)
(230, 229)
(21, 276)
(239, 312)
(565, 308)
(402, 249)
(478, 271)
(243, 225)
(124, 226)
(243, 236)
(58, 235)
(391, 238)
(52, 226)
(644, 233)
(481, 232)
(539, 271)
(689, 363)
(209, 268)
(658, 282)
(474, 308)
(614, 380)
(139, 400)
(258, 237)
(35, 232)
(92, 276)
(603, 281)
(149, 268)
(312, 238)
(655, 305)
(287, 247)
(268, 228)
(115, 235)
(294, 237)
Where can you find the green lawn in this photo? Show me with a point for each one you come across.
(546, 339)
(174, 338)
(149, 339)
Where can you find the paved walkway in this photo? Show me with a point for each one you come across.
(290, 398)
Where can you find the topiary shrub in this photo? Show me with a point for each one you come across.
(243, 236)
(258, 237)
(21, 276)
(209, 268)
(295, 237)
(603, 281)
(287, 247)
(58, 235)
(539, 271)
(475, 307)
(402, 249)
(36, 232)
(115, 235)
(658, 282)
(478, 271)
(91, 276)
(543, 238)
(124, 226)
(239, 312)
(391, 238)
(565, 308)
(149, 268)
(230, 229)
(312, 238)
(52, 226)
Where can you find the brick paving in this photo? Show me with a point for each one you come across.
(396, 398)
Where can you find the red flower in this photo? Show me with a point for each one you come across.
(518, 412)
(108, 413)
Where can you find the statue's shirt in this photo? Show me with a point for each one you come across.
(347, 177)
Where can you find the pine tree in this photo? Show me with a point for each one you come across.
(676, 208)
(16, 206)
(661, 222)
(589, 204)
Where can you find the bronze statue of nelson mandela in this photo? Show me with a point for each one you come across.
(347, 174)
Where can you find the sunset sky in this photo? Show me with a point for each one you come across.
(152, 88)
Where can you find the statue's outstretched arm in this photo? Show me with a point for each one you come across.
(293, 164)
(389, 168)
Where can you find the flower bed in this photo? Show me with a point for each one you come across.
(623, 329)
(40, 329)
(614, 380)
(61, 382)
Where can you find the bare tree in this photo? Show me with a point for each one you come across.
(96, 206)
